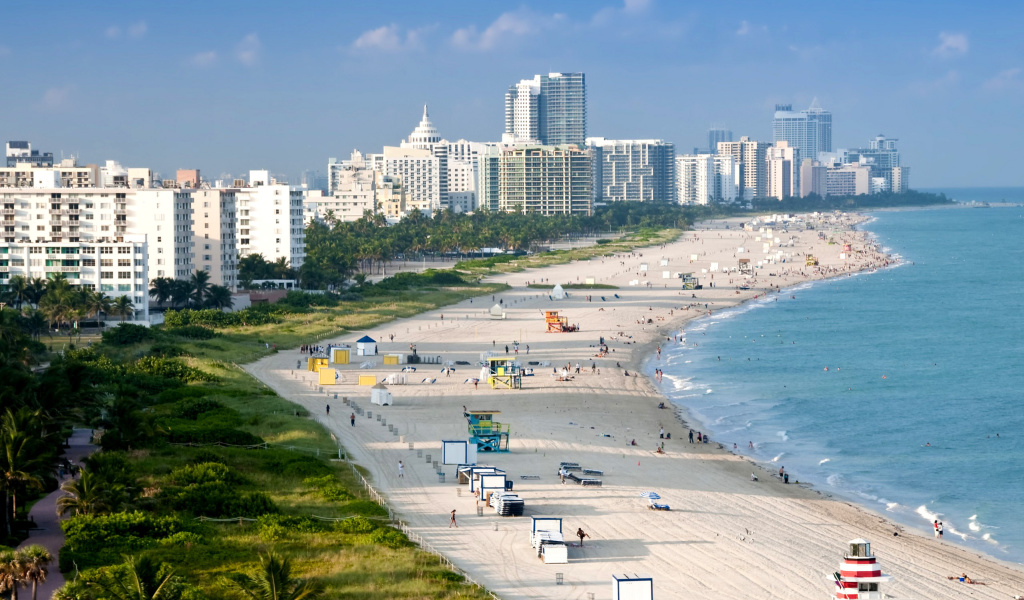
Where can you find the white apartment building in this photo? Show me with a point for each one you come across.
(66, 174)
(215, 214)
(852, 179)
(420, 173)
(522, 112)
(750, 157)
(813, 178)
(462, 183)
(269, 218)
(633, 170)
(706, 178)
(783, 171)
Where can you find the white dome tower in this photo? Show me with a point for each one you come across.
(425, 136)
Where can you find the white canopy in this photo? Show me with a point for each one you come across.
(558, 293)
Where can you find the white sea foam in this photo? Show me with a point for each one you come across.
(783, 435)
(834, 480)
(707, 391)
(892, 506)
(927, 514)
(776, 459)
(823, 461)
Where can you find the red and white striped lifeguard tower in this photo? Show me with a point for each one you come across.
(859, 574)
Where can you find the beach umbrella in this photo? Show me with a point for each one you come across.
(651, 495)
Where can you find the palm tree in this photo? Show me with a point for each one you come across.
(36, 289)
(180, 292)
(95, 303)
(161, 289)
(273, 581)
(12, 570)
(123, 307)
(19, 288)
(218, 297)
(139, 578)
(23, 464)
(36, 561)
(200, 284)
(83, 496)
(34, 323)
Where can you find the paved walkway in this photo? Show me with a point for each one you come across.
(48, 533)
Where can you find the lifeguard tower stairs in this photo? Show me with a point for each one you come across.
(488, 434)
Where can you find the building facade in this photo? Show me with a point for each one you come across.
(548, 180)
(270, 220)
(633, 170)
(706, 178)
(783, 171)
(808, 131)
(813, 178)
(215, 230)
(22, 152)
(750, 157)
(848, 180)
(548, 109)
(420, 173)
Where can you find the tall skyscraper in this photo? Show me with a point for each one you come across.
(548, 180)
(808, 131)
(783, 171)
(715, 135)
(550, 109)
(751, 159)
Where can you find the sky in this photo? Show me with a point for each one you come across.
(231, 86)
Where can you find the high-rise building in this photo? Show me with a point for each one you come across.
(635, 170)
(706, 178)
(900, 180)
(783, 171)
(188, 178)
(808, 131)
(750, 158)
(270, 220)
(715, 135)
(882, 155)
(215, 231)
(548, 180)
(420, 173)
(548, 109)
(813, 178)
(425, 137)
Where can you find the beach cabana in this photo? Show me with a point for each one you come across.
(366, 346)
(497, 312)
(380, 395)
(458, 452)
(632, 587)
(557, 293)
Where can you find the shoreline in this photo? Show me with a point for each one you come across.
(592, 419)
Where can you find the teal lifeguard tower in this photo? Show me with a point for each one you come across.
(488, 434)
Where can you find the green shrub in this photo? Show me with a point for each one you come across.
(328, 488)
(192, 332)
(219, 500)
(295, 465)
(191, 408)
(126, 334)
(388, 537)
(603, 241)
(168, 351)
(365, 508)
(91, 540)
(171, 369)
(357, 525)
(252, 316)
(199, 434)
(201, 473)
(181, 393)
(181, 538)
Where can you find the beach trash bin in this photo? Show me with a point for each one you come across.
(440, 477)
(559, 578)
(479, 511)
(508, 485)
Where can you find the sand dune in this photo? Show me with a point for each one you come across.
(725, 537)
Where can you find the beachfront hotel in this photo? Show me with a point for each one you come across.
(633, 170)
(548, 109)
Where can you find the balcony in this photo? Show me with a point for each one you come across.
(6, 211)
(58, 211)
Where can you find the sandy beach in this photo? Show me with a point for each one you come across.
(726, 536)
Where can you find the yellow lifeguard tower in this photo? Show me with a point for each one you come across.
(557, 324)
(811, 261)
(504, 372)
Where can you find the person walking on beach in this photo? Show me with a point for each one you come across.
(581, 534)
(401, 470)
(691, 436)
(506, 348)
(352, 419)
(452, 523)
(940, 530)
(328, 410)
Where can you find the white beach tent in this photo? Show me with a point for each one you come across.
(497, 312)
(558, 293)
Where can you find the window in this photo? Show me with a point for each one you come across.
(106, 250)
(106, 275)
(124, 250)
(106, 262)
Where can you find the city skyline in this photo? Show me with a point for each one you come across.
(285, 93)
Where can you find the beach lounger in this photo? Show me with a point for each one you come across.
(616, 295)
(593, 472)
(655, 506)
(529, 476)
(569, 465)
(591, 482)
(574, 478)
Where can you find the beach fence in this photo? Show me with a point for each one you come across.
(412, 535)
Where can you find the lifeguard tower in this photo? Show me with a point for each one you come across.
(690, 282)
(811, 261)
(504, 372)
(316, 362)
(557, 324)
(859, 574)
(485, 432)
(743, 266)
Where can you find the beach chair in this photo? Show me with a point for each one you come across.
(593, 472)
(573, 478)
(590, 482)
(616, 296)
(602, 299)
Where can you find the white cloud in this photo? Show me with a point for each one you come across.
(137, 30)
(1010, 78)
(951, 44)
(113, 32)
(204, 59)
(390, 39)
(248, 50)
(508, 26)
(744, 28)
(57, 97)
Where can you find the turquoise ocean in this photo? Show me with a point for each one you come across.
(920, 413)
